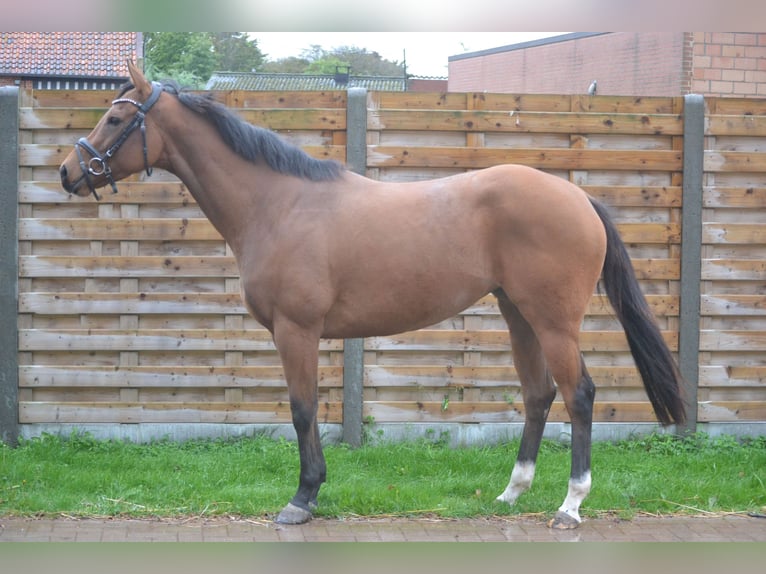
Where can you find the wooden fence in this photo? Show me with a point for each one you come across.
(129, 310)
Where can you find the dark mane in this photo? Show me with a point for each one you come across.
(252, 142)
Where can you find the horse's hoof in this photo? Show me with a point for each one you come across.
(292, 514)
(562, 521)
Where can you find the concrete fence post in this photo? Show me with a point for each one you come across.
(9, 265)
(353, 349)
(691, 254)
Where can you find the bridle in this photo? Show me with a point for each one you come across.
(99, 164)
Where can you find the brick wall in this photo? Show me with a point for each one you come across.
(623, 63)
(729, 64)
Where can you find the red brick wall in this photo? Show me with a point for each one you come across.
(426, 85)
(623, 63)
(729, 64)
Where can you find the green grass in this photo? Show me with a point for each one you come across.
(255, 477)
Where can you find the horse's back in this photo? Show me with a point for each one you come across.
(409, 255)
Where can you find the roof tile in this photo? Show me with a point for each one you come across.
(76, 54)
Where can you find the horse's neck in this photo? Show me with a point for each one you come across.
(229, 190)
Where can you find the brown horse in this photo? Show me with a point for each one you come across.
(326, 253)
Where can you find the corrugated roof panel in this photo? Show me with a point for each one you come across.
(299, 82)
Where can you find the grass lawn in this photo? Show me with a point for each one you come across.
(255, 477)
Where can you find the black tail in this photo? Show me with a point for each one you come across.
(662, 379)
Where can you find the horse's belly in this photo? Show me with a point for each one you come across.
(391, 307)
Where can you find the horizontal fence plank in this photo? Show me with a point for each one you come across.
(59, 118)
(138, 266)
(496, 412)
(295, 119)
(144, 192)
(175, 193)
(276, 99)
(734, 233)
(379, 411)
(731, 411)
(547, 158)
(488, 340)
(199, 229)
(73, 98)
(132, 303)
(118, 229)
(732, 340)
(233, 98)
(734, 161)
(730, 125)
(734, 197)
(158, 376)
(734, 269)
(44, 155)
(743, 124)
(65, 303)
(410, 376)
(737, 106)
(213, 266)
(274, 119)
(732, 376)
(260, 340)
(457, 376)
(524, 102)
(633, 196)
(733, 304)
(524, 122)
(162, 412)
(153, 340)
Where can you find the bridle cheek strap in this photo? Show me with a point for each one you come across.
(99, 164)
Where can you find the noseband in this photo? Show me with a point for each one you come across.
(99, 164)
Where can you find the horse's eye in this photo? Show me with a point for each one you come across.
(114, 121)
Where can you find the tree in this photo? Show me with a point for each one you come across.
(290, 65)
(364, 63)
(317, 60)
(191, 57)
(184, 56)
(235, 52)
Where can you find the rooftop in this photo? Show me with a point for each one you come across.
(295, 82)
(72, 54)
(529, 44)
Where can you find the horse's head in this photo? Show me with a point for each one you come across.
(121, 144)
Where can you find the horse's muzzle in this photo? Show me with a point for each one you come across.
(65, 183)
(69, 186)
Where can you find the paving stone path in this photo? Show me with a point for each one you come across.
(727, 528)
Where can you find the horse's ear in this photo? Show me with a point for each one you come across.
(139, 80)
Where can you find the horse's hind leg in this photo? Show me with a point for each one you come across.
(578, 391)
(538, 393)
(543, 353)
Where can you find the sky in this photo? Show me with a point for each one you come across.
(426, 53)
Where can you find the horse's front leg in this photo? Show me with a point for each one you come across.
(299, 351)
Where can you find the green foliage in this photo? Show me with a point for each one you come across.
(328, 65)
(317, 60)
(256, 476)
(235, 52)
(291, 65)
(191, 57)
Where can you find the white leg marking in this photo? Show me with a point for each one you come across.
(578, 490)
(521, 479)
